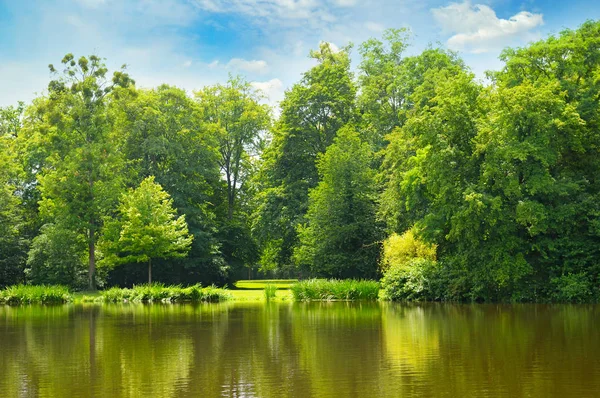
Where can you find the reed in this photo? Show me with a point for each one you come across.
(333, 289)
(158, 292)
(35, 294)
(270, 291)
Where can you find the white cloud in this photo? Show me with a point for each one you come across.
(477, 29)
(92, 3)
(276, 11)
(273, 91)
(187, 64)
(345, 3)
(374, 26)
(253, 66)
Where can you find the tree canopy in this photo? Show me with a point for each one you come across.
(407, 166)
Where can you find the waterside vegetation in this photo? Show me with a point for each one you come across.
(406, 169)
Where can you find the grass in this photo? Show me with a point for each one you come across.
(332, 289)
(158, 292)
(35, 294)
(270, 291)
(262, 283)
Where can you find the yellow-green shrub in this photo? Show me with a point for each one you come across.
(401, 249)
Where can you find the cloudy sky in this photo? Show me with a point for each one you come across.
(193, 43)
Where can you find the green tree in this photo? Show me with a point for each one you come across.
(80, 179)
(341, 236)
(165, 137)
(311, 114)
(388, 80)
(239, 122)
(147, 228)
(13, 242)
(57, 257)
(232, 112)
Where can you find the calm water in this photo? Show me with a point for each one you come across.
(300, 350)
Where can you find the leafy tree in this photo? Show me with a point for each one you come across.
(79, 181)
(165, 137)
(239, 122)
(12, 239)
(147, 228)
(341, 235)
(388, 80)
(311, 114)
(232, 112)
(57, 257)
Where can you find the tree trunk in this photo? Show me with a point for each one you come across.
(150, 272)
(92, 261)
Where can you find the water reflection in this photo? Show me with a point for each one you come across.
(303, 350)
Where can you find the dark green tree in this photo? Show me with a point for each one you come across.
(341, 237)
(311, 114)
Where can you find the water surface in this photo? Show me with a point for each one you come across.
(300, 350)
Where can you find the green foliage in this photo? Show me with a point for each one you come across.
(39, 294)
(335, 289)
(400, 249)
(572, 288)
(165, 137)
(13, 241)
(270, 291)
(57, 257)
(388, 81)
(158, 292)
(78, 155)
(146, 229)
(417, 279)
(312, 112)
(340, 238)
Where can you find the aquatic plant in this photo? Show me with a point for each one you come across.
(333, 289)
(158, 292)
(270, 291)
(35, 294)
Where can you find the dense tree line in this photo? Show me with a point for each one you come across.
(496, 180)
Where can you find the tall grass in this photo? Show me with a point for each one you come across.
(270, 291)
(158, 292)
(35, 294)
(332, 289)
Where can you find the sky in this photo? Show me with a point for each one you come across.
(194, 43)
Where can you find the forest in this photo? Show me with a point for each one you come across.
(402, 168)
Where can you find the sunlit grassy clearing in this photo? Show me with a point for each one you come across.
(261, 284)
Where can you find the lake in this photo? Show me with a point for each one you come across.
(300, 350)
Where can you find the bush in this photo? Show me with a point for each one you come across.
(40, 294)
(415, 280)
(571, 288)
(325, 290)
(400, 249)
(158, 292)
(57, 257)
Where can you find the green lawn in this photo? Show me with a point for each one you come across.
(253, 290)
(260, 284)
(244, 290)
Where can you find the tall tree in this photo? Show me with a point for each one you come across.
(232, 112)
(12, 235)
(388, 79)
(147, 228)
(239, 121)
(80, 180)
(340, 237)
(165, 137)
(311, 114)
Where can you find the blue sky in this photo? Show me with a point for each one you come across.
(193, 43)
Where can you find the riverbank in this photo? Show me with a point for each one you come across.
(245, 290)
